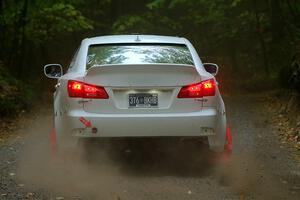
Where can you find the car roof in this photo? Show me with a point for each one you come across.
(135, 38)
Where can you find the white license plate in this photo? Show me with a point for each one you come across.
(143, 100)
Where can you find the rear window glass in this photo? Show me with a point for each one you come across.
(138, 54)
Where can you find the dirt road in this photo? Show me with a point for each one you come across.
(259, 168)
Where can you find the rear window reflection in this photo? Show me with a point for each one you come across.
(138, 54)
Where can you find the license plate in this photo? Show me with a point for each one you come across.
(143, 100)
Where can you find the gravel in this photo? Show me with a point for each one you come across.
(259, 168)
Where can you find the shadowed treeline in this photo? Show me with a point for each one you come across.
(254, 42)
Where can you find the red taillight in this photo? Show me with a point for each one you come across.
(83, 90)
(198, 90)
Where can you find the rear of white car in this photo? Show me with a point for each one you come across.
(139, 86)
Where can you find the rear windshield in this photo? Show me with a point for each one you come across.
(138, 54)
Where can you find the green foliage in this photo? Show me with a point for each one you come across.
(247, 38)
(257, 37)
(59, 18)
(144, 24)
(15, 95)
(26, 27)
(44, 20)
(156, 4)
(131, 24)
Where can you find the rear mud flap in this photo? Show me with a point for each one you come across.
(228, 145)
(53, 143)
(217, 142)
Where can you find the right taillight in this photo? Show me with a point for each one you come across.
(77, 89)
(198, 90)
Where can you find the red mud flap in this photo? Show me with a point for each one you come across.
(225, 156)
(53, 144)
(228, 145)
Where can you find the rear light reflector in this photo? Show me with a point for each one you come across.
(79, 89)
(198, 90)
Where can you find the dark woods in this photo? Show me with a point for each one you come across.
(254, 41)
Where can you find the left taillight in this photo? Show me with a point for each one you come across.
(77, 89)
(198, 90)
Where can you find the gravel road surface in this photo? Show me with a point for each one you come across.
(260, 166)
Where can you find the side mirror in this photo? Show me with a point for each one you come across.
(53, 70)
(211, 68)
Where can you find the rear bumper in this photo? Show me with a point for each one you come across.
(200, 123)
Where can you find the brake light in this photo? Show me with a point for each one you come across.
(82, 90)
(198, 90)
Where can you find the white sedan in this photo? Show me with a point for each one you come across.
(138, 86)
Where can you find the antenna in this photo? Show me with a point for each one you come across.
(137, 39)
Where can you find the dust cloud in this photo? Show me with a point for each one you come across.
(68, 171)
(111, 169)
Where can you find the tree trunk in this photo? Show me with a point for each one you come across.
(261, 41)
(22, 42)
(295, 15)
(2, 32)
(277, 24)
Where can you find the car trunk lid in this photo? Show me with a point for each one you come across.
(161, 81)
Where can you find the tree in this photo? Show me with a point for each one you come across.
(35, 21)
